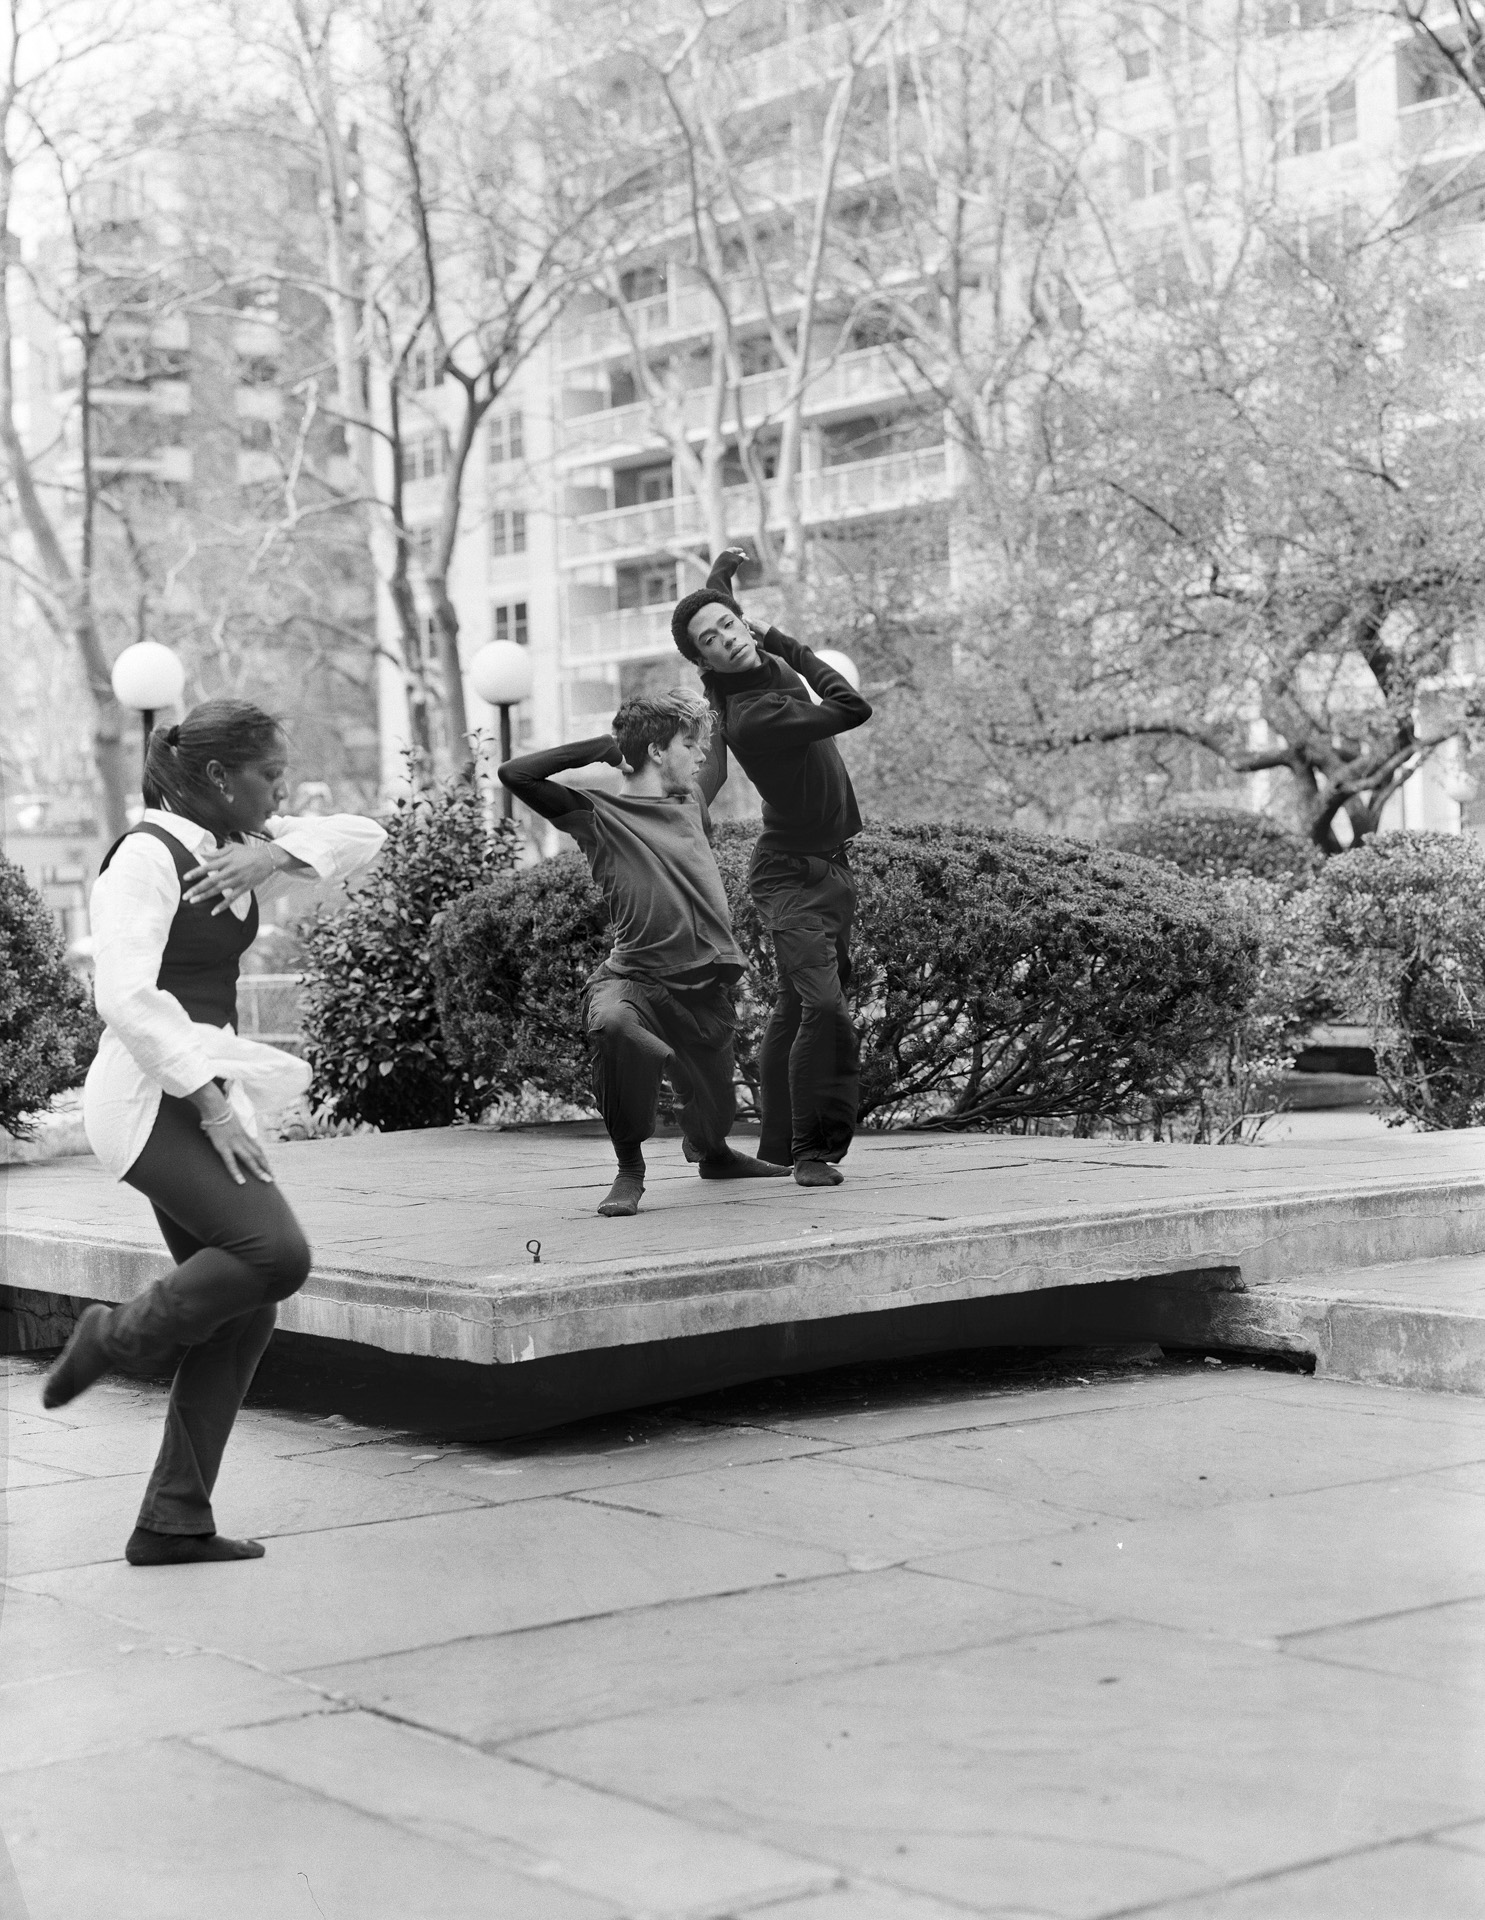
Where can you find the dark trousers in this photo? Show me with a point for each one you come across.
(238, 1251)
(639, 1029)
(809, 1063)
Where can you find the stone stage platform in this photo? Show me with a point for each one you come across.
(425, 1245)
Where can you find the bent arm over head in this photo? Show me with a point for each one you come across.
(529, 776)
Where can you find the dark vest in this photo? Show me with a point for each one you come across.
(199, 964)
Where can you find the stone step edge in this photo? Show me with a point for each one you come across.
(1376, 1341)
(540, 1312)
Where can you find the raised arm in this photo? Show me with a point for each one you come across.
(529, 776)
(727, 563)
(783, 718)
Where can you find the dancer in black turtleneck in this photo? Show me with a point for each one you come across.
(800, 877)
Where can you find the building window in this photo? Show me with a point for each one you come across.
(1168, 159)
(1163, 276)
(1147, 166)
(255, 435)
(1048, 90)
(507, 531)
(510, 622)
(424, 540)
(1424, 75)
(423, 456)
(507, 437)
(1308, 124)
(650, 583)
(1137, 59)
(423, 368)
(1288, 16)
(1196, 156)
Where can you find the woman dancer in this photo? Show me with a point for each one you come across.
(169, 1101)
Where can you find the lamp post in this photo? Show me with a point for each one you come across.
(843, 664)
(148, 678)
(500, 674)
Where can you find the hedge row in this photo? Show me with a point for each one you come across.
(999, 978)
(48, 1030)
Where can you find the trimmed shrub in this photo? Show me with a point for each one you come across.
(371, 1023)
(999, 978)
(1235, 1086)
(1404, 917)
(48, 1030)
(1221, 843)
(509, 964)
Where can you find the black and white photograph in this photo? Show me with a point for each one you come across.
(742, 959)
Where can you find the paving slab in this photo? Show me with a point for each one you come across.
(1440, 1646)
(1416, 1880)
(1175, 1454)
(558, 1560)
(577, 1672)
(951, 1774)
(172, 1830)
(1380, 1547)
(519, 1818)
(597, 1696)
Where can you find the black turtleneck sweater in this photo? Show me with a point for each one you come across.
(785, 743)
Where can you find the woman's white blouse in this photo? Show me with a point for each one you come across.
(150, 1043)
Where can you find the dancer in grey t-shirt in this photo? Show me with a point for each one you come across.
(661, 1002)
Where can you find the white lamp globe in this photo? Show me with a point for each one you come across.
(148, 677)
(500, 673)
(843, 664)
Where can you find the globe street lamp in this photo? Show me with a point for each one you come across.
(500, 674)
(843, 664)
(148, 678)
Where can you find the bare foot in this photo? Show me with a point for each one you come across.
(149, 1549)
(623, 1196)
(817, 1173)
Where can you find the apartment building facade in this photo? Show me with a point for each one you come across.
(176, 386)
(1155, 135)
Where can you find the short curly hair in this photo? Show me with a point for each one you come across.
(654, 720)
(680, 620)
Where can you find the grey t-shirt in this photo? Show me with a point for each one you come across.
(655, 867)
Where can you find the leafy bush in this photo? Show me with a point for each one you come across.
(371, 1023)
(1221, 843)
(1232, 1088)
(999, 978)
(48, 1030)
(1404, 916)
(510, 962)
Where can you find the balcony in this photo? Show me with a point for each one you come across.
(628, 633)
(676, 315)
(885, 485)
(1454, 124)
(871, 377)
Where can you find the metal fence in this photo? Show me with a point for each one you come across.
(269, 1008)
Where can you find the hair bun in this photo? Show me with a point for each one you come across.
(172, 739)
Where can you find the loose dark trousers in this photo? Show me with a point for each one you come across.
(238, 1250)
(639, 1029)
(809, 1064)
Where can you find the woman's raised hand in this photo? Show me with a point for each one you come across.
(231, 871)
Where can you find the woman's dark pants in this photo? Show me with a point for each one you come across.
(238, 1250)
(809, 1063)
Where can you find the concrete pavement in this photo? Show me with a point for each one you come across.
(1109, 1635)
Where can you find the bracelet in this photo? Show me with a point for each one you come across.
(221, 1119)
